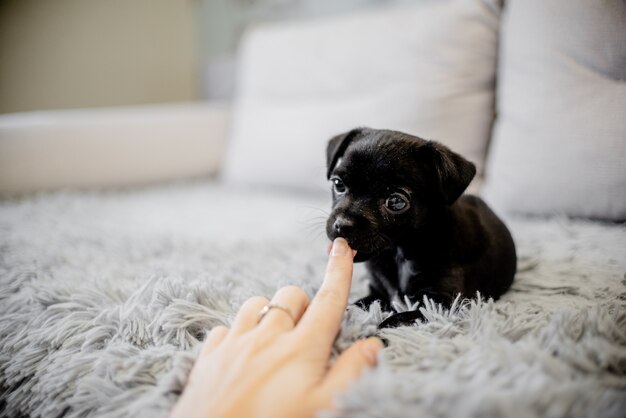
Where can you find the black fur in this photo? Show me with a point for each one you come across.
(398, 201)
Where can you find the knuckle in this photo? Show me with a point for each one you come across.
(329, 296)
(299, 293)
(294, 292)
(260, 341)
(296, 341)
(255, 301)
(219, 329)
(257, 343)
(339, 269)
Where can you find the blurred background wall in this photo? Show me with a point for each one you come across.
(222, 22)
(86, 53)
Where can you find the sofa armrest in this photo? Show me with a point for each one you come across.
(110, 147)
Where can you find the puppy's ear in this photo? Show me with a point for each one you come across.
(336, 147)
(452, 172)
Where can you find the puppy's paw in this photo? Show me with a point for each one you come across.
(367, 301)
(401, 319)
(364, 303)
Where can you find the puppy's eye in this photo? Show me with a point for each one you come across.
(397, 203)
(338, 185)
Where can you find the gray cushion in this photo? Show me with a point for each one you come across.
(427, 69)
(560, 138)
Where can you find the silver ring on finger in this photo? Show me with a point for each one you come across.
(265, 310)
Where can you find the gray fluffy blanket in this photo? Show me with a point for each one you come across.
(105, 298)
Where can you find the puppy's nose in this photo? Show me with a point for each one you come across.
(343, 226)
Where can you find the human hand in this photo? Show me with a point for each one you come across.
(278, 366)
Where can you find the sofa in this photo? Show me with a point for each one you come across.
(126, 234)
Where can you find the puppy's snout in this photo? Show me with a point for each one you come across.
(343, 226)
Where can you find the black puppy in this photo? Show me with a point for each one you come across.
(397, 201)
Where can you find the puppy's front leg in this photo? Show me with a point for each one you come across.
(409, 317)
(364, 303)
(383, 281)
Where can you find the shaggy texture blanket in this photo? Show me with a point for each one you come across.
(105, 298)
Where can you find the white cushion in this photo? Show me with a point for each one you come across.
(426, 69)
(560, 138)
(110, 146)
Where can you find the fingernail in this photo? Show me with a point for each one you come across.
(370, 349)
(340, 247)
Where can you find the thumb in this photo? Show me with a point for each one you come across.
(348, 367)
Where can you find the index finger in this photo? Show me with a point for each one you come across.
(322, 318)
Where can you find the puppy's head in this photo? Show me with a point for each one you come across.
(385, 184)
